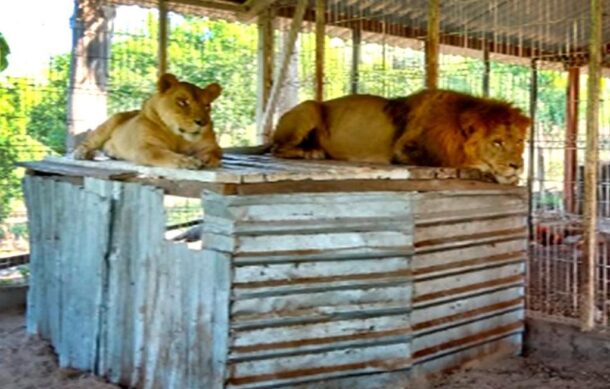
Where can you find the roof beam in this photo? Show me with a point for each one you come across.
(251, 8)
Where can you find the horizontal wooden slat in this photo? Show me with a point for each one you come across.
(434, 260)
(428, 345)
(245, 341)
(251, 276)
(320, 365)
(454, 287)
(427, 317)
(68, 169)
(323, 300)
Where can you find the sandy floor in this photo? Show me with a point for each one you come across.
(28, 363)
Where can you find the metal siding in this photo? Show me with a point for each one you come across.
(468, 290)
(69, 231)
(311, 296)
(290, 290)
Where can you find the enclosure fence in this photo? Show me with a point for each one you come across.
(206, 47)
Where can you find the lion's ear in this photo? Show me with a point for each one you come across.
(470, 122)
(166, 81)
(212, 91)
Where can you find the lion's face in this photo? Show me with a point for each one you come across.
(496, 145)
(185, 108)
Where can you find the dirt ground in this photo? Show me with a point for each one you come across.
(29, 363)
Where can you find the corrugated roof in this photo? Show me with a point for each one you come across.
(518, 27)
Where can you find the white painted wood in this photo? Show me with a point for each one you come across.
(321, 332)
(364, 360)
(503, 345)
(425, 287)
(439, 338)
(440, 311)
(294, 272)
(430, 259)
(469, 227)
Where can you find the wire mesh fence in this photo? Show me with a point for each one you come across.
(34, 112)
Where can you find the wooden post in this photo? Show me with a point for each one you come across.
(297, 19)
(569, 177)
(320, 40)
(355, 76)
(532, 145)
(589, 260)
(486, 69)
(162, 53)
(432, 44)
(87, 94)
(265, 71)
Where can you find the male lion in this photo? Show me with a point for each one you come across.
(428, 128)
(173, 129)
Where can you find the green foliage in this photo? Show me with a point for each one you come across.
(200, 51)
(4, 52)
(47, 119)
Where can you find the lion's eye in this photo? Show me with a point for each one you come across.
(207, 107)
(182, 103)
(498, 143)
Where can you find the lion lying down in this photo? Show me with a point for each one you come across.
(173, 129)
(428, 128)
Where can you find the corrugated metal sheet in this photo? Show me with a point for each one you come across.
(304, 290)
(321, 284)
(551, 26)
(469, 283)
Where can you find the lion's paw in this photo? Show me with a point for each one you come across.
(186, 162)
(83, 153)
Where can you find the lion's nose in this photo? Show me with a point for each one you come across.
(199, 122)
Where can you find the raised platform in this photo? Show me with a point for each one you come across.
(313, 274)
(259, 174)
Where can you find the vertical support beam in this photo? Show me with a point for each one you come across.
(87, 93)
(265, 71)
(162, 50)
(432, 44)
(569, 177)
(589, 260)
(486, 69)
(355, 76)
(297, 19)
(532, 145)
(320, 40)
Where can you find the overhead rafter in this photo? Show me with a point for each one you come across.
(251, 8)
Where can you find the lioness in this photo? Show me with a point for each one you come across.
(173, 129)
(428, 128)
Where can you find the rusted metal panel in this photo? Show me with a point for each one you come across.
(303, 290)
(315, 294)
(505, 343)
(69, 228)
(468, 270)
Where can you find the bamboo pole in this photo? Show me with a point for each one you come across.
(297, 19)
(589, 260)
(432, 44)
(569, 176)
(162, 50)
(320, 40)
(265, 71)
(486, 69)
(532, 145)
(355, 74)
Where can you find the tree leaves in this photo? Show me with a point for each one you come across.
(4, 52)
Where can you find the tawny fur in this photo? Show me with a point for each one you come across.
(173, 129)
(429, 128)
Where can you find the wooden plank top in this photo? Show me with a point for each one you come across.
(251, 169)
